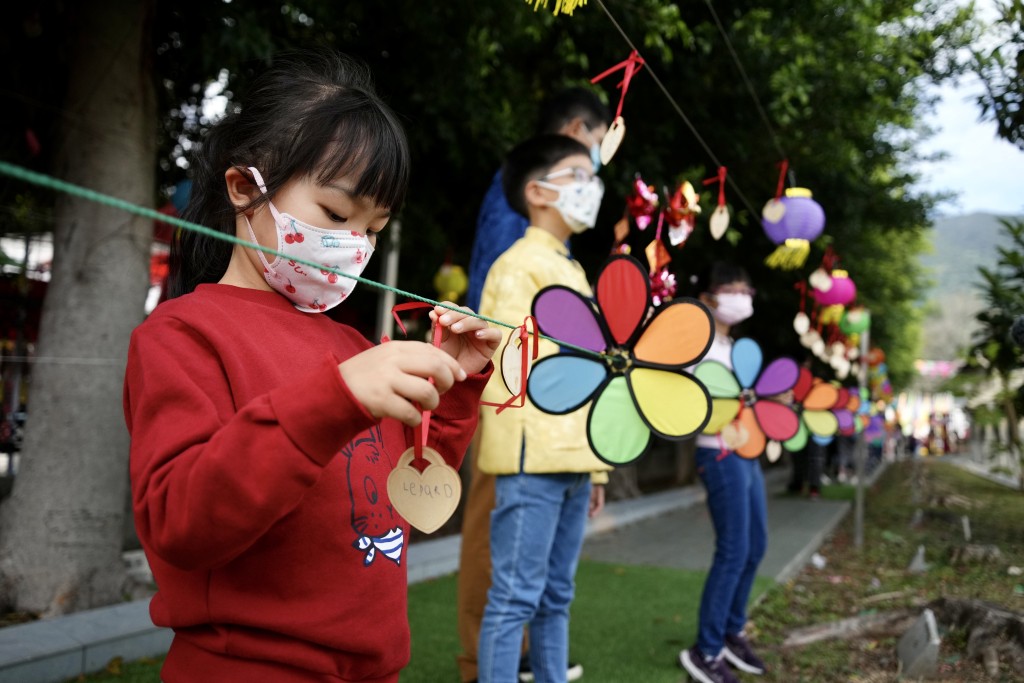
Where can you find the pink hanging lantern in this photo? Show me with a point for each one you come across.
(842, 291)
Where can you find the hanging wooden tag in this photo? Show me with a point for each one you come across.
(773, 211)
(512, 370)
(428, 499)
(802, 324)
(612, 139)
(719, 222)
(820, 280)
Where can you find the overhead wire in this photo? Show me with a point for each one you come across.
(679, 110)
(747, 81)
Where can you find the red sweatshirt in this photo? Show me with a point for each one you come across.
(259, 485)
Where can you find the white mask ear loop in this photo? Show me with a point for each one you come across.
(273, 211)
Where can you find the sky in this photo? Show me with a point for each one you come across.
(986, 171)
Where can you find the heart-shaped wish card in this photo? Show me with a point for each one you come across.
(427, 498)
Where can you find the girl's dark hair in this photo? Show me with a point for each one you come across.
(531, 160)
(717, 274)
(311, 115)
(565, 105)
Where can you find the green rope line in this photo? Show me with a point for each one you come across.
(52, 183)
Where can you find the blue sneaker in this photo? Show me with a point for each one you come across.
(705, 669)
(741, 656)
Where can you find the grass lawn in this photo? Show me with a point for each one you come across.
(628, 624)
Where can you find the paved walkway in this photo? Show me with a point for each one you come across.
(684, 538)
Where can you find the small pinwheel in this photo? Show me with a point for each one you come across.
(743, 411)
(846, 409)
(635, 376)
(814, 399)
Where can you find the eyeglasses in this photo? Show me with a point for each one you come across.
(579, 174)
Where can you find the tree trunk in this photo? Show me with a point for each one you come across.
(61, 529)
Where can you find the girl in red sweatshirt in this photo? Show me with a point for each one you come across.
(263, 432)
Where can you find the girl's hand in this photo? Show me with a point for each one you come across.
(400, 378)
(469, 340)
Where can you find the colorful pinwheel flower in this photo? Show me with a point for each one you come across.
(815, 400)
(846, 409)
(635, 376)
(742, 407)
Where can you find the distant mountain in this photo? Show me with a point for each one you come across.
(960, 244)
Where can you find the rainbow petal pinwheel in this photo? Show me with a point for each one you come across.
(741, 402)
(846, 408)
(635, 377)
(815, 400)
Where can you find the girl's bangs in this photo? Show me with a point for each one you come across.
(372, 147)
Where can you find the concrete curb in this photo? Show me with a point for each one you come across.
(980, 470)
(55, 650)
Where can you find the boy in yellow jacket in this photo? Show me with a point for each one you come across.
(548, 479)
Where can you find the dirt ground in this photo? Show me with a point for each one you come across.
(910, 505)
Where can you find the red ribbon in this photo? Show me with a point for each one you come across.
(830, 260)
(783, 167)
(418, 443)
(720, 179)
(801, 287)
(631, 64)
(524, 331)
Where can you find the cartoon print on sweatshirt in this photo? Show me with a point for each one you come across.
(377, 525)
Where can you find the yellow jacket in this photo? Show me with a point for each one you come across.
(553, 443)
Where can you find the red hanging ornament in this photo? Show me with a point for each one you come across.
(681, 213)
(642, 203)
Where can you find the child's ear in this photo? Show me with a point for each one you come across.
(242, 191)
(536, 195)
(575, 128)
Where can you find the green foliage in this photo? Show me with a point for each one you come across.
(1002, 287)
(841, 83)
(1000, 70)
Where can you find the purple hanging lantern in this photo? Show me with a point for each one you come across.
(792, 222)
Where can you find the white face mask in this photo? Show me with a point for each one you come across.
(312, 290)
(578, 201)
(733, 308)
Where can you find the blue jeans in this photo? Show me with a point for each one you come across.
(536, 535)
(736, 501)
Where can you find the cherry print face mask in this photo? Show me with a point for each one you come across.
(312, 290)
